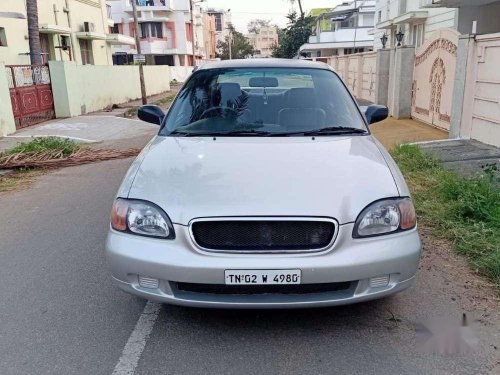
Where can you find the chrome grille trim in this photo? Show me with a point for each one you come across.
(265, 218)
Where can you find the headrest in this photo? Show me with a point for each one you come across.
(229, 90)
(226, 92)
(301, 97)
(263, 82)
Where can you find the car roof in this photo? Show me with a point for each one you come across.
(264, 63)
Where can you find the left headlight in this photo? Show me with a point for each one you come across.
(142, 218)
(384, 217)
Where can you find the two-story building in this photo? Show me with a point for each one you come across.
(166, 31)
(76, 30)
(484, 14)
(413, 18)
(264, 41)
(343, 30)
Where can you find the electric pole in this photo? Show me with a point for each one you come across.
(230, 42)
(192, 31)
(138, 46)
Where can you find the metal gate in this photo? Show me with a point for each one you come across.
(30, 94)
(433, 81)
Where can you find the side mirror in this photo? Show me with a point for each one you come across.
(151, 113)
(376, 113)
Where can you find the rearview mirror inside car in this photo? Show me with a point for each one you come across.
(151, 113)
(376, 113)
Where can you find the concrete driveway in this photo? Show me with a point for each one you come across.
(60, 314)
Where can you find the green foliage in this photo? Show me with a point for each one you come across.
(42, 144)
(240, 47)
(293, 36)
(254, 26)
(463, 210)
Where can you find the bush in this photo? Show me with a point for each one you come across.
(464, 210)
(43, 144)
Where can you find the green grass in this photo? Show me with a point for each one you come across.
(463, 210)
(43, 144)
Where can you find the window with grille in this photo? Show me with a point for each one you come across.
(151, 30)
(86, 52)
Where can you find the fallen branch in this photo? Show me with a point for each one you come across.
(55, 159)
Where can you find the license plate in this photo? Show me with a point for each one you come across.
(262, 277)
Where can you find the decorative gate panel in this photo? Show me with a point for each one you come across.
(30, 94)
(435, 64)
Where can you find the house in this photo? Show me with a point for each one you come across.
(485, 14)
(76, 30)
(264, 41)
(209, 36)
(166, 31)
(342, 31)
(222, 21)
(413, 18)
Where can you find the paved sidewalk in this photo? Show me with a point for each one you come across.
(392, 132)
(466, 157)
(100, 131)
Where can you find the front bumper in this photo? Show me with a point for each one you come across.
(347, 260)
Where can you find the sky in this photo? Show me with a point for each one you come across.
(242, 11)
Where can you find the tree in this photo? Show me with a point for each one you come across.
(254, 26)
(293, 36)
(33, 32)
(240, 47)
(300, 7)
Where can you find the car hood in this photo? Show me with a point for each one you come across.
(192, 177)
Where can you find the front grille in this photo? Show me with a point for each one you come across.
(263, 236)
(262, 289)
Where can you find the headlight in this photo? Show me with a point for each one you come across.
(142, 218)
(385, 216)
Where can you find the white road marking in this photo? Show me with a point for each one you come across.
(137, 341)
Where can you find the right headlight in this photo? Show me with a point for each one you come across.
(384, 217)
(142, 218)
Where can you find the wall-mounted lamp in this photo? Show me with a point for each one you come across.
(384, 39)
(400, 36)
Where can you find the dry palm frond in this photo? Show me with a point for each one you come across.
(56, 159)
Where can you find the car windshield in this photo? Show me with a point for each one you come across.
(263, 102)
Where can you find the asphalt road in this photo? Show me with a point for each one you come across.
(60, 314)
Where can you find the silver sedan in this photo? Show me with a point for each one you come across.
(264, 188)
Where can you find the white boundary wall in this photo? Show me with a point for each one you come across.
(359, 72)
(479, 112)
(7, 124)
(81, 89)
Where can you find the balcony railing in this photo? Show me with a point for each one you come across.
(430, 3)
(149, 3)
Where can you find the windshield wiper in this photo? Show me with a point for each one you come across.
(233, 133)
(331, 130)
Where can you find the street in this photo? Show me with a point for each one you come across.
(60, 313)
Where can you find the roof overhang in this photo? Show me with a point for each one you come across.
(90, 36)
(14, 15)
(54, 29)
(389, 24)
(455, 3)
(120, 39)
(411, 17)
(334, 45)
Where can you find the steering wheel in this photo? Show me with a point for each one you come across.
(218, 108)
